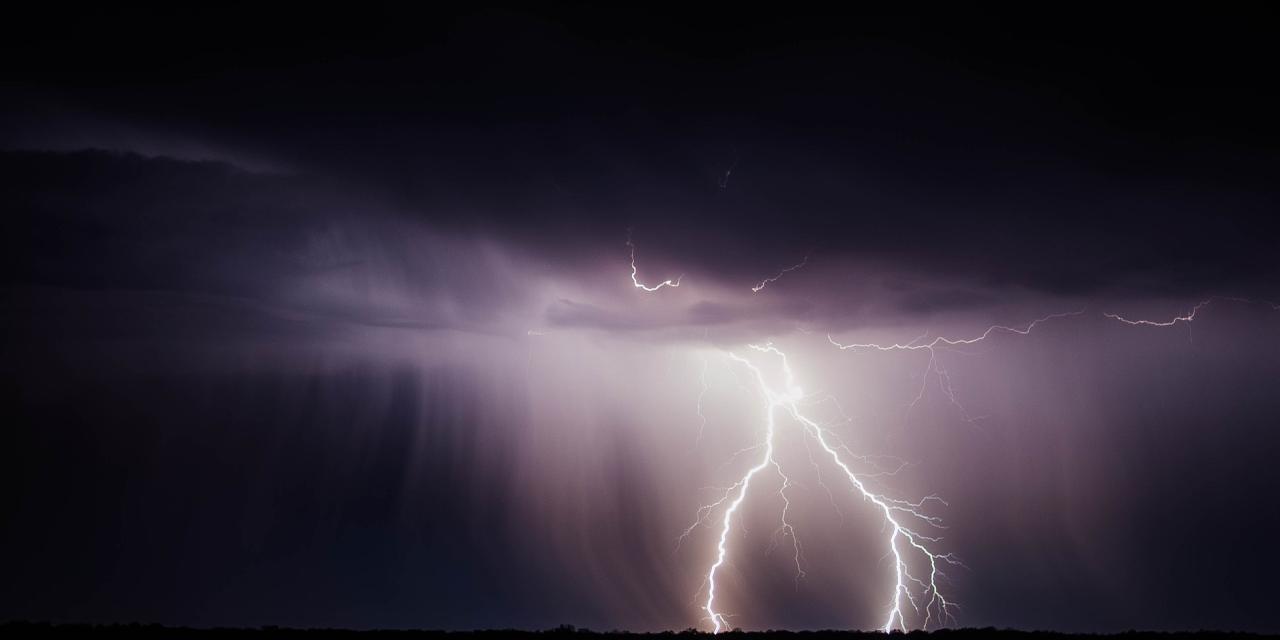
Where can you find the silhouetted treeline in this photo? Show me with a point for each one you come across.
(567, 632)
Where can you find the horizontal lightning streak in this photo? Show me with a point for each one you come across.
(915, 345)
(942, 342)
(1152, 323)
(1190, 315)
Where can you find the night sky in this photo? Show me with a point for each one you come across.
(323, 318)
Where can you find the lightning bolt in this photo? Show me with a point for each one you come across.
(767, 281)
(910, 530)
(943, 378)
(635, 281)
(941, 343)
(1189, 317)
(903, 519)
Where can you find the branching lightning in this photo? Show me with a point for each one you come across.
(904, 520)
(934, 367)
(911, 531)
(767, 281)
(940, 343)
(1189, 317)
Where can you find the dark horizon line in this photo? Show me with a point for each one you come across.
(28, 627)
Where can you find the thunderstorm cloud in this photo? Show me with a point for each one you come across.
(344, 332)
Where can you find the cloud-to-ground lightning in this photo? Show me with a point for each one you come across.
(767, 281)
(902, 519)
(910, 529)
(634, 272)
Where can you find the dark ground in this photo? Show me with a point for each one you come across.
(38, 629)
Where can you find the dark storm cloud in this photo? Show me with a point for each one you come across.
(121, 222)
(327, 318)
(1018, 161)
(712, 313)
(931, 301)
(292, 246)
(98, 219)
